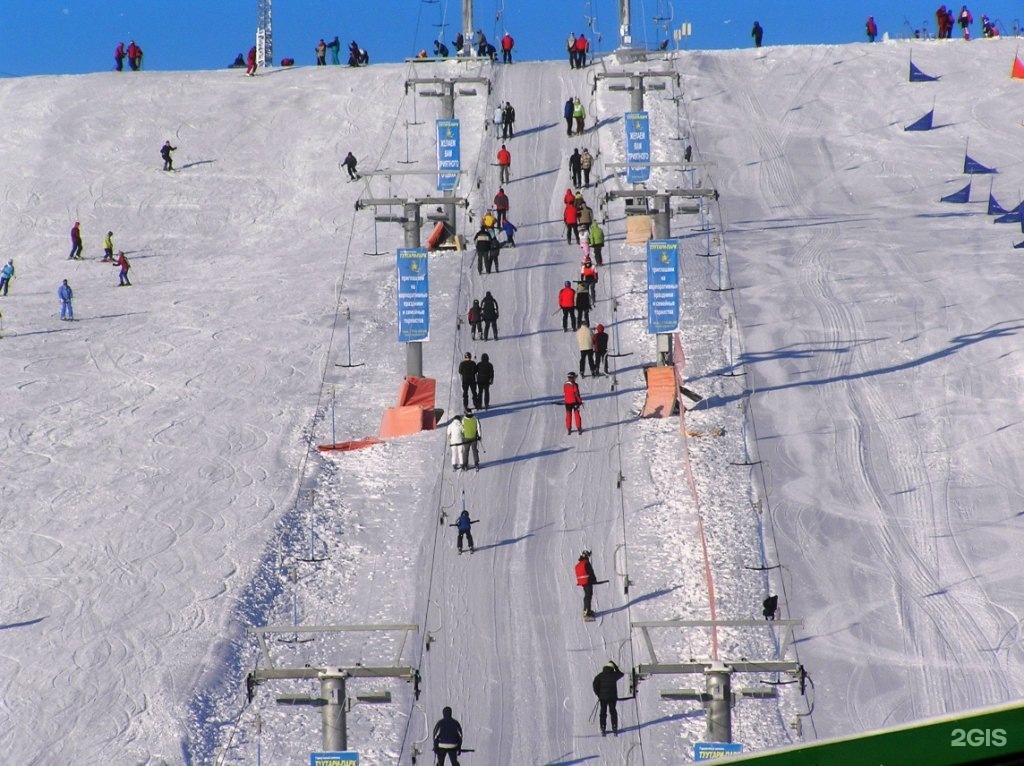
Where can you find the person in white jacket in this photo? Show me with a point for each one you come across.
(455, 441)
(585, 340)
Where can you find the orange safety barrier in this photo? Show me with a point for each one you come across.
(368, 441)
(662, 392)
(436, 237)
(415, 410)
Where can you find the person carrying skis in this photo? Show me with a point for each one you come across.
(350, 165)
(586, 579)
(250, 62)
(489, 311)
(484, 378)
(475, 320)
(567, 302)
(467, 371)
(165, 152)
(65, 293)
(76, 242)
(108, 247)
(501, 205)
(606, 687)
(465, 526)
(471, 438)
(447, 738)
(504, 163)
(573, 401)
(122, 275)
(600, 349)
(6, 275)
(454, 434)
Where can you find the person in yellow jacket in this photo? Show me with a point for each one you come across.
(471, 437)
(108, 246)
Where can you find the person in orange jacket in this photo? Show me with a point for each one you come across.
(567, 302)
(573, 401)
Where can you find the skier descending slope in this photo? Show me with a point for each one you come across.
(573, 401)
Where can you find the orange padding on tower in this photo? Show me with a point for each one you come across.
(436, 237)
(662, 392)
(367, 441)
(415, 410)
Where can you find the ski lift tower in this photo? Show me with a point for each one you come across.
(468, 32)
(264, 34)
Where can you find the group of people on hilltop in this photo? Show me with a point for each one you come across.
(945, 22)
(577, 48)
(356, 56)
(133, 53)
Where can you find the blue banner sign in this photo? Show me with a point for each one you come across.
(347, 758)
(449, 154)
(662, 286)
(712, 751)
(413, 296)
(638, 147)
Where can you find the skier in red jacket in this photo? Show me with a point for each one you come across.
(567, 302)
(573, 402)
(586, 579)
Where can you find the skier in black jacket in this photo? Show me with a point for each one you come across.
(607, 691)
(467, 371)
(447, 738)
(484, 378)
(489, 313)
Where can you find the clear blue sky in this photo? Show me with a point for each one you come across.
(77, 36)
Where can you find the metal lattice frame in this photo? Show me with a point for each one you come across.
(264, 34)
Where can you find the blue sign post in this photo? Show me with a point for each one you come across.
(662, 286)
(712, 751)
(638, 147)
(413, 296)
(347, 758)
(449, 154)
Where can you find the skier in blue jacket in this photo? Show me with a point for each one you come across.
(65, 294)
(6, 275)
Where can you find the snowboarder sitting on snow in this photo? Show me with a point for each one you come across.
(165, 152)
(464, 525)
(607, 690)
(447, 738)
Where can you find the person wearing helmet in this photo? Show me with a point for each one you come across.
(471, 438)
(454, 433)
(586, 578)
(600, 350)
(567, 302)
(606, 687)
(573, 401)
